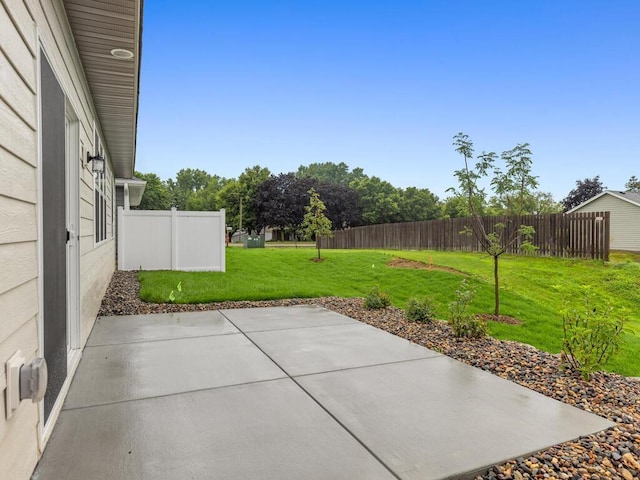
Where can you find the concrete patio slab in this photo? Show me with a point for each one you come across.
(115, 373)
(161, 326)
(278, 318)
(302, 351)
(359, 404)
(438, 418)
(270, 430)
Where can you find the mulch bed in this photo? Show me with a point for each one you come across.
(614, 453)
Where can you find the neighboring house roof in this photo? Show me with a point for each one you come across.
(631, 197)
(104, 32)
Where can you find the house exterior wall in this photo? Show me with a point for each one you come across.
(625, 221)
(26, 27)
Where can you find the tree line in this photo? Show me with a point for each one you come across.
(258, 198)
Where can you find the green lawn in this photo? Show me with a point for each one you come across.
(529, 286)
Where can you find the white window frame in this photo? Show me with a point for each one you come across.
(114, 209)
(99, 197)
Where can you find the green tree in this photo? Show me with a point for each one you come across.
(534, 203)
(460, 204)
(280, 201)
(515, 186)
(316, 224)
(585, 189)
(229, 198)
(379, 201)
(250, 181)
(633, 185)
(237, 198)
(418, 204)
(329, 172)
(544, 203)
(342, 204)
(156, 194)
(511, 186)
(188, 182)
(206, 199)
(326, 172)
(457, 206)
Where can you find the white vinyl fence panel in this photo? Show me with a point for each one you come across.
(171, 240)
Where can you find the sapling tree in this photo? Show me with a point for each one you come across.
(315, 223)
(512, 185)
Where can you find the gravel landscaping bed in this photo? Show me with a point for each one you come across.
(614, 453)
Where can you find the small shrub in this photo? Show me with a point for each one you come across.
(376, 300)
(419, 310)
(464, 324)
(591, 337)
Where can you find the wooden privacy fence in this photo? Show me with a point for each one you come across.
(578, 235)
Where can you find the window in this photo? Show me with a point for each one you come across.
(100, 199)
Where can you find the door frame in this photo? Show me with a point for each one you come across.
(72, 198)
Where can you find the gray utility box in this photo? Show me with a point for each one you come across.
(253, 241)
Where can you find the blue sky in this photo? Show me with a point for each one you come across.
(384, 85)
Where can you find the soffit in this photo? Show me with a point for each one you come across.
(98, 27)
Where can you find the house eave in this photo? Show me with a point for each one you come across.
(98, 28)
(135, 187)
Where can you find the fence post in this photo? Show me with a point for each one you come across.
(607, 236)
(174, 238)
(121, 237)
(223, 243)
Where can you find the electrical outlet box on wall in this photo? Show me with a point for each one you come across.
(13, 366)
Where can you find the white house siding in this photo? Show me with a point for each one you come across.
(25, 27)
(625, 221)
(96, 269)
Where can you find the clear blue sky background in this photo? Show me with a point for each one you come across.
(384, 85)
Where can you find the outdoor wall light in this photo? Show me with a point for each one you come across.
(98, 162)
